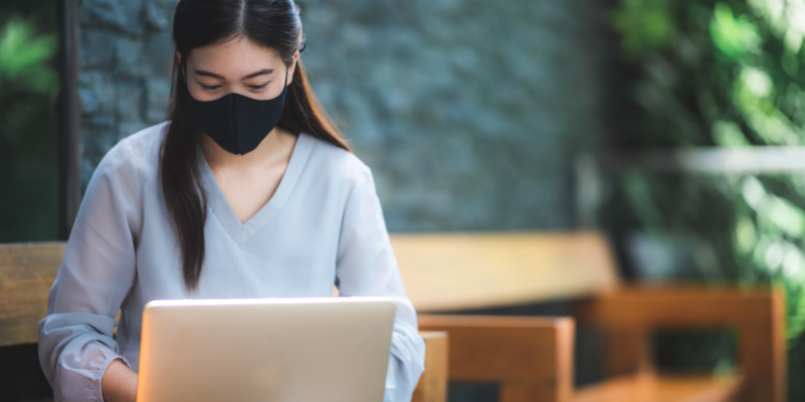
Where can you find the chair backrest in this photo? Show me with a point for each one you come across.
(441, 271)
(530, 358)
(458, 271)
(27, 272)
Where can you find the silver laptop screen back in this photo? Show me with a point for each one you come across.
(278, 350)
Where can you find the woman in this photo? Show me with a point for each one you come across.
(247, 190)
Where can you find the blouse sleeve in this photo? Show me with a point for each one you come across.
(75, 339)
(366, 266)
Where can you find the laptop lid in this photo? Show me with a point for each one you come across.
(277, 350)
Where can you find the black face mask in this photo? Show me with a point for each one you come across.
(238, 123)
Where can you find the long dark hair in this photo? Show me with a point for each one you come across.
(273, 24)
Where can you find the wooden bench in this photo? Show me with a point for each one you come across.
(27, 272)
(531, 358)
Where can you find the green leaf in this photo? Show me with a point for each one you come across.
(733, 37)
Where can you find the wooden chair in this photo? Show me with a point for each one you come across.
(531, 357)
(27, 272)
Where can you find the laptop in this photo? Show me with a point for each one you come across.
(273, 350)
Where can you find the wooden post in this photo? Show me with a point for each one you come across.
(762, 355)
(69, 115)
(627, 351)
(432, 386)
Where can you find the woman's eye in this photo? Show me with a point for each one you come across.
(210, 88)
(258, 86)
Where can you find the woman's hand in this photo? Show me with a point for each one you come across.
(119, 383)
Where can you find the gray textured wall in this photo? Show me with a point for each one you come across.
(469, 112)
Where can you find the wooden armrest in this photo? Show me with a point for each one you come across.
(531, 358)
(432, 386)
(683, 306)
(628, 316)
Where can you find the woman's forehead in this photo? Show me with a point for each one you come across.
(234, 58)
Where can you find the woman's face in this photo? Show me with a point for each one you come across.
(239, 66)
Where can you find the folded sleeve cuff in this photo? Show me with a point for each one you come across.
(102, 370)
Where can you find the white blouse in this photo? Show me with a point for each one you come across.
(323, 226)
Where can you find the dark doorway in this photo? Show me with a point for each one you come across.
(37, 106)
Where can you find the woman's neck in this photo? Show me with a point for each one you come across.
(275, 148)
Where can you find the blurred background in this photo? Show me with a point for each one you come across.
(675, 126)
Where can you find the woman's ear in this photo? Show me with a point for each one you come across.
(292, 68)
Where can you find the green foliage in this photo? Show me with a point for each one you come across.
(721, 73)
(23, 58)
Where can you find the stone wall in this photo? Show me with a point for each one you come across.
(468, 112)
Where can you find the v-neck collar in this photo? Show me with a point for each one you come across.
(243, 231)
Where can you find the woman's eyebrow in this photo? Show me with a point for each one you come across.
(206, 73)
(265, 71)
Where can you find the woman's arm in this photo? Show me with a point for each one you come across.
(76, 343)
(366, 266)
(119, 383)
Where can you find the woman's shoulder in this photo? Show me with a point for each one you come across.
(335, 161)
(146, 143)
(138, 151)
